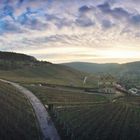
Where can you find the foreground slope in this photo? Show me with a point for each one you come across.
(45, 123)
(17, 119)
(112, 121)
(83, 116)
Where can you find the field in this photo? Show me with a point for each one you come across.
(99, 122)
(78, 116)
(17, 119)
(58, 96)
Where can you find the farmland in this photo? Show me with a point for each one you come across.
(17, 119)
(56, 96)
(78, 116)
(99, 122)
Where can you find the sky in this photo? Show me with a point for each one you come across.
(58, 31)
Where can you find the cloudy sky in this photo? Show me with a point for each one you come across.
(72, 30)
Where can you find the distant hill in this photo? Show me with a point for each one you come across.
(126, 73)
(104, 68)
(94, 67)
(23, 68)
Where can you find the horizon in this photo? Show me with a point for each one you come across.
(74, 61)
(98, 63)
(106, 31)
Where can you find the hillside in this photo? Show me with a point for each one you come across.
(104, 68)
(23, 68)
(11, 60)
(128, 73)
(94, 67)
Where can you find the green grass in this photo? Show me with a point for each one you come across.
(17, 118)
(47, 73)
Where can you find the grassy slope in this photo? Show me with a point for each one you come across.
(49, 73)
(17, 120)
(27, 69)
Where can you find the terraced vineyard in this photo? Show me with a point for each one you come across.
(80, 116)
(17, 119)
(56, 96)
(112, 121)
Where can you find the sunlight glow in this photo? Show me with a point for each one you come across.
(120, 54)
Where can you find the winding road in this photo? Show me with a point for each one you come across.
(47, 127)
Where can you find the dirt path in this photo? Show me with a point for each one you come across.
(46, 125)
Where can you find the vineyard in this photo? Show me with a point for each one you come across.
(98, 122)
(17, 119)
(94, 118)
(56, 96)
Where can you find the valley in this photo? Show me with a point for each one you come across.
(98, 107)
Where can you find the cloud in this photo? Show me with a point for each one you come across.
(81, 27)
(9, 27)
(85, 17)
(84, 22)
(20, 2)
(117, 12)
(105, 7)
(7, 10)
(120, 14)
(135, 20)
(107, 24)
(84, 9)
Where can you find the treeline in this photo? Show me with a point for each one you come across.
(10, 60)
(16, 56)
(9, 65)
